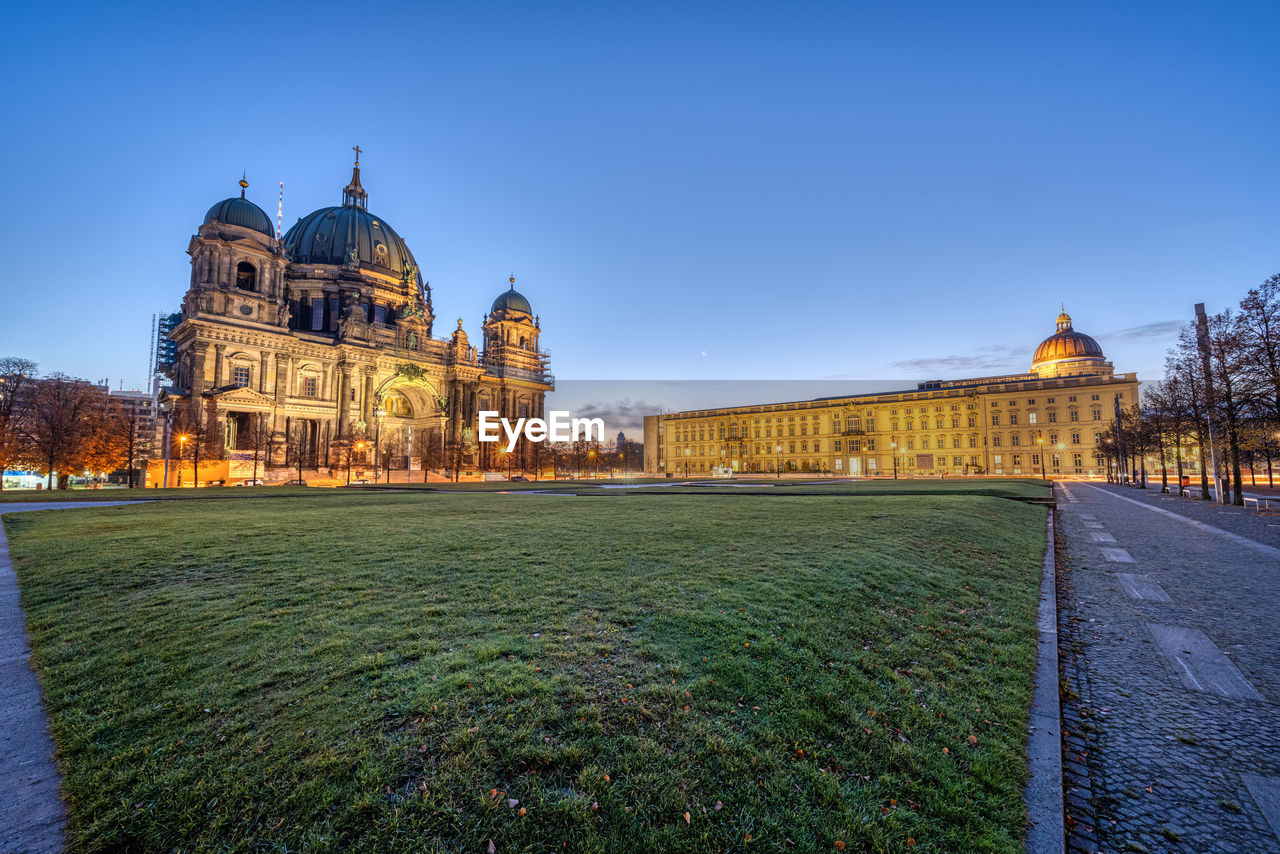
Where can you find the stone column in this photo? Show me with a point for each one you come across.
(218, 351)
(262, 373)
(344, 400)
(282, 378)
(197, 371)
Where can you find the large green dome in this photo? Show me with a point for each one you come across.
(329, 236)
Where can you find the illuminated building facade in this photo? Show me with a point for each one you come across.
(300, 346)
(1049, 420)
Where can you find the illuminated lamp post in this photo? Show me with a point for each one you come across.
(595, 465)
(1040, 453)
(182, 447)
(893, 448)
(686, 463)
(778, 450)
(359, 447)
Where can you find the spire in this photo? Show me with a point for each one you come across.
(1064, 319)
(353, 193)
(244, 185)
(512, 280)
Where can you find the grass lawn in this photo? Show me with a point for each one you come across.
(413, 672)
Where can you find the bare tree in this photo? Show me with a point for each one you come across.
(1260, 337)
(260, 442)
(1231, 386)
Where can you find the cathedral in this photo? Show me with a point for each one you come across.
(317, 350)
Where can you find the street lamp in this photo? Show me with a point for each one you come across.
(893, 448)
(359, 447)
(1040, 454)
(182, 447)
(686, 463)
(779, 450)
(595, 465)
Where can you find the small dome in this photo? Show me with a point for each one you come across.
(1066, 344)
(511, 300)
(242, 212)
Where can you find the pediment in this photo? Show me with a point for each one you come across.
(242, 397)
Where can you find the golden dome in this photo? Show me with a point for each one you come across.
(1066, 345)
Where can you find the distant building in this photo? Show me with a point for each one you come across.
(1048, 420)
(141, 407)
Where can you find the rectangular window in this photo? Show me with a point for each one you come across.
(1075, 438)
(333, 314)
(955, 441)
(1035, 459)
(1075, 416)
(310, 386)
(1031, 418)
(973, 441)
(871, 444)
(317, 315)
(379, 314)
(995, 441)
(837, 445)
(240, 377)
(995, 419)
(1097, 415)
(1015, 440)
(1013, 419)
(957, 461)
(1017, 459)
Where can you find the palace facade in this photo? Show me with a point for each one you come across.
(1049, 421)
(305, 348)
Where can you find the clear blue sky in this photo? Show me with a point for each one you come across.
(684, 191)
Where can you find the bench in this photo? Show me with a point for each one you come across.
(1191, 492)
(1258, 504)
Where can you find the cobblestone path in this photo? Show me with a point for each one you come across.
(1173, 644)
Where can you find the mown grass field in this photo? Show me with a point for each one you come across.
(628, 672)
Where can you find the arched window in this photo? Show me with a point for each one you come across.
(246, 277)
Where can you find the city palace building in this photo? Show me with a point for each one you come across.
(1047, 421)
(293, 349)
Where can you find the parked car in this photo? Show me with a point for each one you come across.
(519, 479)
(364, 481)
(295, 482)
(250, 481)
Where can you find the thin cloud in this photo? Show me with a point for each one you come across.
(995, 358)
(1147, 331)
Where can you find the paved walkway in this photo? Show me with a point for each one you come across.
(32, 815)
(1176, 628)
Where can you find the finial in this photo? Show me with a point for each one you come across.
(353, 193)
(512, 280)
(244, 184)
(459, 322)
